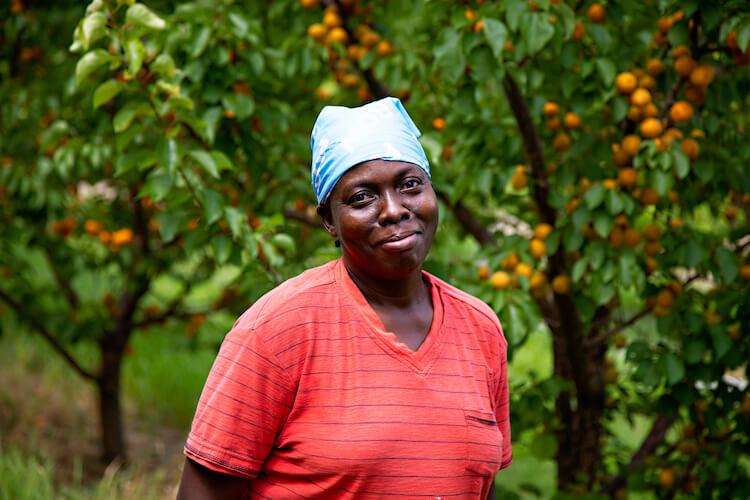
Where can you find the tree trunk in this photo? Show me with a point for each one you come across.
(110, 412)
(580, 419)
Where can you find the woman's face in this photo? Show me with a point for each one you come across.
(385, 214)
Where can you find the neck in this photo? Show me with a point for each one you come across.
(401, 293)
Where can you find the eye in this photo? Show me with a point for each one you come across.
(411, 183)
(359, 198)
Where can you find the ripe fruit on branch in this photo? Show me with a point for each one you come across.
(596, 13)
(652, 232)
(92, 227)
(500, 280)
(626, 82)
(317, 31)
(562, 142)
(483, 272)
(702, 75)
(650, 128)
(690, 148)
(523, 269)
(654, 67)
(640, 97)
(122, 236)
(542, 230)
(519, 180)
(649, 196)
(551, 108)
(510, 262)
(572, 121)
(537, 248)
(578, 31)
(338, 35)
(684, 65)
(331, 19)
(627, 177)
(681, 111)
(385, 48)
(631, 144)
(439, 123)
(561, 284)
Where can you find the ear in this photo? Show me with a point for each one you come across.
(326, 216)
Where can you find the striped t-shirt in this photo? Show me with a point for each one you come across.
(311, 398)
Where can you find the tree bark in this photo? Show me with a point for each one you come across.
(110, 411)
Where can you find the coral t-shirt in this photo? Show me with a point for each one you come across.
(310, 397)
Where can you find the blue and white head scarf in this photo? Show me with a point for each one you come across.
(345, 137)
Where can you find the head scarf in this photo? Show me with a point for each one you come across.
(344, 137)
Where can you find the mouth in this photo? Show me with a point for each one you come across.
(399, 242)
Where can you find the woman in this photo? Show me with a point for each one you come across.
(366, 377)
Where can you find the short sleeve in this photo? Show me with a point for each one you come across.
(502, 405)
(245, 402)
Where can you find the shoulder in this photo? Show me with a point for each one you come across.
(306, 293)
(457, 301)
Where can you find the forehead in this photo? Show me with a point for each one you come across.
(378, 171)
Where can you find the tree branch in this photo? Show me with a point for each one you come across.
(652, 440)
(468, 221)
(40, 328)
(594, 341)
(67, 289)
(303, 218)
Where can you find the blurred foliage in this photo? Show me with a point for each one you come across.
(169, 145)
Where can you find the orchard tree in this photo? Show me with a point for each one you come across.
(591, 162)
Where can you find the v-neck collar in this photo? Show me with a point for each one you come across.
(419, 360)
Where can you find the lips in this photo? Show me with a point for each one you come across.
(399, 242)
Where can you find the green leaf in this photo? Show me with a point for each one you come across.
(134, 50)
(222, 248)
(681, 163)
(169, 154)
(661, 181)
(603, 223)
(720, 341)
(513, 11)
(579, 268)
(450, 56)
(727, 264)
(743, 36)
(164, 65)
(157, 186)
(169, 223)
(241, 105)
(93, 28)
(107, 91)
(206, 161)
(212, 202)
(614, 203)
(142, 15)
(284, 242)
(673, 368)
(594, 196)
(607, 71)
(222, 161)
(694, 350)
(125, 116)
(601, 36)
(581, 216)
(236, 220)
(537, 31)
(90, 62)
(496, 34)
(694, 253)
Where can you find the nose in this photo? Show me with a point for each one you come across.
(392, 209)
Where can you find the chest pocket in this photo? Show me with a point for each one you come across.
(484, 443)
